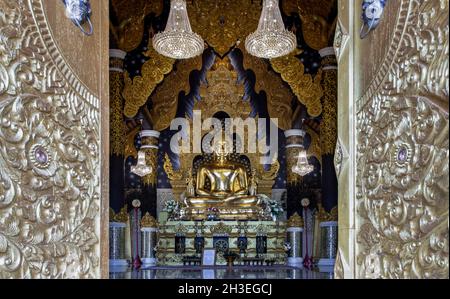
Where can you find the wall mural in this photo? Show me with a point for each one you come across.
(49, 154)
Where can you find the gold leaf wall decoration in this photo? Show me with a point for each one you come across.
(165, 97)
(232, 20)
(130, 15)
(138, 89)
(308, 90)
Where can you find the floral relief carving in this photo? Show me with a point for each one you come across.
(49, 155)
(403, 154)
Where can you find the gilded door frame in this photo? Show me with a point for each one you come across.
(402, 230)
(54, 143)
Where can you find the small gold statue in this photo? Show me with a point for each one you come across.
(253, 189)
(190, 190)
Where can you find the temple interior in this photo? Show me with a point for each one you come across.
(262, 201)
(224, 139)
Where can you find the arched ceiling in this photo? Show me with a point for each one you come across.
(223, 24)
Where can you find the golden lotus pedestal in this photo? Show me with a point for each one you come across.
(183, 240)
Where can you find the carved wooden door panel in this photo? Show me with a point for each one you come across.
(393, 152)
(53, 94)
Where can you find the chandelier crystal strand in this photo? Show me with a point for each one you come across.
(271, 39)
(141, 168)
(178, 41)
(302, 167)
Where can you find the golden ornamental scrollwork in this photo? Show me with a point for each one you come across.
(317, 31)
(165, 97)
(130, 15)
(122, 216)
(295, 221)
(168, 168)
(151, 159)
(328, 126)
(221, 228)
(317, 26)
(138, 89)
(314, 148)
(324, 216)
(130, 148)
(291, 160)
(307, 89)
(223, 92)
(49, 154)
(117, 126)
(232, 21)
(403, 153)
(148, 221)
(268, 174)
(279, 98)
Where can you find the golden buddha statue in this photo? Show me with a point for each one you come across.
(223, 184)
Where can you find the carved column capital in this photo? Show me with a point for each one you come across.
(116, 58)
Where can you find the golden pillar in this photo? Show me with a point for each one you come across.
(116, 84)
(328, 136)
(328, 128)
(117, 130)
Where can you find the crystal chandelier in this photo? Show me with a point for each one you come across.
(271, 39)
(302, 167)
(178, 41)
(141, 168)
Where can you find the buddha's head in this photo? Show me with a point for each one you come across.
(221, 152)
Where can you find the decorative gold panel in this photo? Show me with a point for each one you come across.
(314, 148)
(315, 14)
(222, 23)
(165, 97)
(223, 92)
(403, 152)
(308, 90)
(117, 126)
(138, 89)
(328, 126)
(49, 154)
(130, 15)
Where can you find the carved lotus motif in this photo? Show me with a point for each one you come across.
(49, 157)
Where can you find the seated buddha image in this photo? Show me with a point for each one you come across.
(222, 183)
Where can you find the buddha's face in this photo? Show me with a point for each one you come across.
(221, 152)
